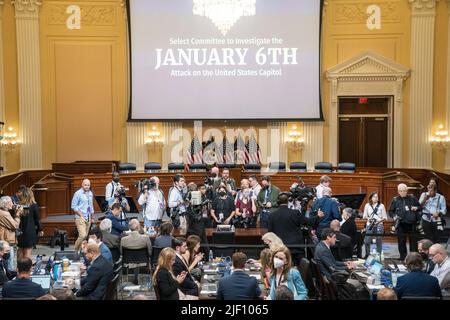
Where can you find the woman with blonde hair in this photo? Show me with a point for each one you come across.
(30, 225)
(166, 284)
(273, 241)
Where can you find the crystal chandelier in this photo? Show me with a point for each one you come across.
(224, 13)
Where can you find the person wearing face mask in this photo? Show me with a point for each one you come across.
(223, 209)
(99, 274)
(177, 203)
(5, 273)
(267, 201)
(406, 208)
(283, 274)
(112, 186)
(246, 209)
(215, 177)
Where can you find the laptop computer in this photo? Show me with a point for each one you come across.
(43, 280)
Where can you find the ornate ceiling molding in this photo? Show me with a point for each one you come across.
(423, 6)
(31, 6)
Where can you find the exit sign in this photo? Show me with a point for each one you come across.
(363, 100)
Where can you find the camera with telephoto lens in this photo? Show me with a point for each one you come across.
(145, 184)
(302, 194)
(120, 192)
(195, 204)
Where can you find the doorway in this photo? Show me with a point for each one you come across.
(364, 131)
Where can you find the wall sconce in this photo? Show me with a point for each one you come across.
(295, 138)
(440, 139)
(153, 139)
(9, 141)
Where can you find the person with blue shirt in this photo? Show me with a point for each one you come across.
(83, 207)
(283, 274)
(118, 225)
(95, 236)
(329, 207)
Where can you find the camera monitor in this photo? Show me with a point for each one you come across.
(353, 201)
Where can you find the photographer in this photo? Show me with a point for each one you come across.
(9, 226)
(176, 201)
(245, 210)
(112, 186)
(295, 202)
(267, 200)
(153, 203)
(433, 211)
(197, 211)
(406, 208)
(375, 213)
(223, 208)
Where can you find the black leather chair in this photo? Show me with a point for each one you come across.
(152, 167)
(420, 298)
(135, 256)
(111, 289)
(298, 166)
(226, 165)
(305, 272)
(155, 255)
(280, 166)
(323, 167)
(223, 241)
(346, 167)
(197, 167)
(326, 290)
(115, 252)
(173, 167)
(252, 166)
(127, 167)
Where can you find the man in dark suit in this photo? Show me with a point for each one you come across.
(266, 201)
(189, 286)
(330, 208)
(423, 247)
(286, 224)
(325, 258)
(343, 249)
(22, 286)
(417, 283)
(5, 273)
(99, 273)
(238, 285)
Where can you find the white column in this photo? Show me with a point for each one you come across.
(313, 146)
(333, 123)
(2, 85)
(447, 156)
(169, 129)
(277, 147)
(136, 149)
(421, 91)
(29, 83)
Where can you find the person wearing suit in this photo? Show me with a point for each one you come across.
(324, 256)
(238, 285)
(283, 274)
(95, 236)
(330, 208)
(22, 286)
(423, 247)
(286, 224)
(343, 249)
(118, 225)
(348, 225)
(267, 201)
(5, 273)
(99, 274)
(189, 286)
(417, 283)
(166, 284)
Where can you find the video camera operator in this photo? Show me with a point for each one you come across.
(112, 186)
(152, 202)
(177, 202)
(406, 209)
(120, 198)
(300, 195)
(197, 205)
(289, 225)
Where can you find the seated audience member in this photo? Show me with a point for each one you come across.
(416, 283)
(273, 241)
(47, 297)
(283, 293)
(238, 285)
(118, 225)
(100, 272)
(441, 260)
(110, 240)
(5, 273)
(423, 246)
(348, 225)
(63, 294)
(265, 263)
(22, 286)
(134, 240)
(343, 248)
(164, 240)
(193, 255)
(445, 285)
(189, 286)
(325, 258)
(386, 294)
(283, 274)
(166, 284)
(95, 236)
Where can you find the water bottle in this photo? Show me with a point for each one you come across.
(382, 256)
(232, 228)
(394, 278)
(211, 258)
(149, 282)
(60, 273)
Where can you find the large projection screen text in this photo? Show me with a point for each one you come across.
(231, 59)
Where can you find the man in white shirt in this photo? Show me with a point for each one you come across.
(112, 186)
(324, 183)
(254, 186)
(440, 258)
(153, 203)
(176, 202)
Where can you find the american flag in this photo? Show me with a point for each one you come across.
(239, 146)
(252, 151)
(229, 151)
(219, 151)
(195, 152)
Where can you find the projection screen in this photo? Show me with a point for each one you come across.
(224, 59)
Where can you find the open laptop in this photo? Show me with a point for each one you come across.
(43, 280)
